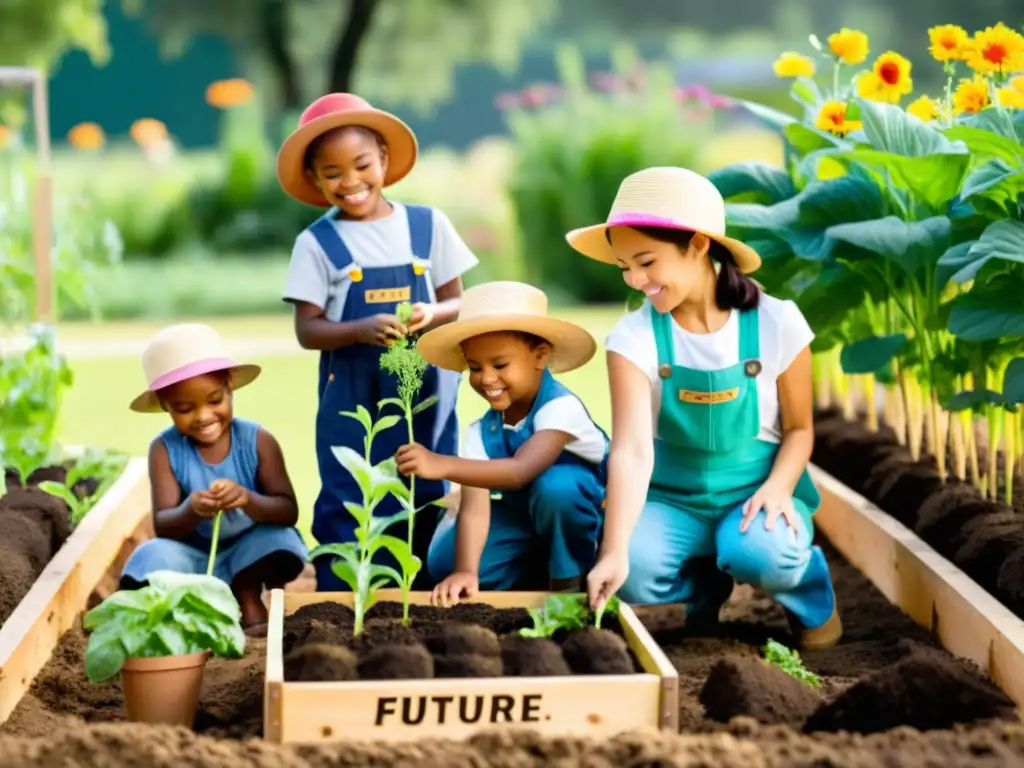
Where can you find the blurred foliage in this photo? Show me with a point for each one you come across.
(573, 153)
(37, 33)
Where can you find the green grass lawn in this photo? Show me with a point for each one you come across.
(95, 411)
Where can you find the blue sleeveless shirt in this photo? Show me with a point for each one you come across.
(193, 473)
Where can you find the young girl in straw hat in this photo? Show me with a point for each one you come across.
(349, 272)
(532, 469)
(712, 429)
(209, 460)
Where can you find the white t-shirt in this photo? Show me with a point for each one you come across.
(565, 414)
(783, 333)
(313, 278)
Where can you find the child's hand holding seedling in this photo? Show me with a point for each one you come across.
(229, 495)
(414, 459)
(203, 503)
(420, 316)
(380, 330)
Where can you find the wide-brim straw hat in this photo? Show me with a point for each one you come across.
(180, 352)
(672, 198)
(333, 111)
(507, 306)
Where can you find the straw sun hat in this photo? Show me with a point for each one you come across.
(673, 198)
(333, 111)
(507, 306)
(180, 352)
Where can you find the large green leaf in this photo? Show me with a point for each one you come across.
(989, 312)
(1000, 240)
(997, 121)
(872, 354)
(909, 244)
(767, 218)
(844, 199)
(988, 145)
(957, 265)
(771, 117)
(890, 129)
(990, 174)
(973, 398)
(1013, 382)
(805, 139)
(357, 466)
(933, 179)
(767, 183)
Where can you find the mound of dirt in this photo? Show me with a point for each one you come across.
(926, 690)
(746, 686)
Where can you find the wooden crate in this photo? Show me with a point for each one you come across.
(30, 634)
(373, 710)
(965, 619)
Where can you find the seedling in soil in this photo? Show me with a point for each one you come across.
(789, 661)
(99, 465)
(175, 615)
(564, 611)
(402, 360)
(354, 564)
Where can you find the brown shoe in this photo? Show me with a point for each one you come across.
(819, 638)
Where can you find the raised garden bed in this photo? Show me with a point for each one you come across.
(455, 671)
(889, 672)
(51, 571)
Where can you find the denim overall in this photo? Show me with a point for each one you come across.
(241, 541)
(352, 376)
(558, 516)
(708, 461)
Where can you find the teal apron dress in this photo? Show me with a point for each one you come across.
(708, 461)
(547, 530)
(352, 376)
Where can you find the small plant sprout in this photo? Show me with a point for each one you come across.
(102, 466)
(789, 661)
(354, 564)
(565, 611)
(403, 361)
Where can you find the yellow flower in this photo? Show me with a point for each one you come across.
(971, 95)
(997, 49)
(1017, 83)
(924, 108)
(832, 118)
(225, 94)
(791, 64)
(849, 45)
(949, 42)
(86, 136)
(147, 132)
(1010, 98)
(889, 79)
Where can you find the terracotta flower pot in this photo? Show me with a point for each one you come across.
(165, 689)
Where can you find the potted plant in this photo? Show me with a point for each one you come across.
(159, 638)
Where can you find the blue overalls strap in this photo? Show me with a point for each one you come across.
(750, 343)
(421, 230)
(327, 235)
(662, 326)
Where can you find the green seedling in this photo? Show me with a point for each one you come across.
(176, 614)
(354, 564)
(789, 661)
(102, 466)
(565, 611)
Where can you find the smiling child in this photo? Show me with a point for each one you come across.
(532, 468)
(209, 460)
(349, 272)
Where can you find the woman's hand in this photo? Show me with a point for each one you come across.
(605, 578)
(776, 502)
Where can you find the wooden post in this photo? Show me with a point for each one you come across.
(42, 208)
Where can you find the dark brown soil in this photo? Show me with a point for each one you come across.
(47, 728)
(745, 686)
(979, 536)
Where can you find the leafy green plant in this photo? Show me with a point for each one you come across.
(354, 559)
(899, 236)
(565, 611)
(176, 614)
(97, 464)
(789, 661)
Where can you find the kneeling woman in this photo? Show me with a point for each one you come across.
(711, 417)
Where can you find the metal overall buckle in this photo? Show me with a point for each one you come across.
(752, 367)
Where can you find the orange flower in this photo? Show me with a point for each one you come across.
(832, 118)
(225, 94)
(146, 132)
(971, 95)
(889, 79)
(6, 136)
(948, 43)
(997, 49)
(86, 136)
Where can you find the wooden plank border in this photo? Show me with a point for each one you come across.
(965, 619)
(52, 605)
(378, 710)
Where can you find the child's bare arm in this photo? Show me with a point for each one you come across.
(173, 516)
(471, 528)
(277, 504)
(536, 455)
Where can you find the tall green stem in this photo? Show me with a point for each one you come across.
(412, 516)
(213, 543)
